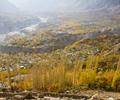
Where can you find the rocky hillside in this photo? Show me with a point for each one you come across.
(11, 19)
(47, 41)
(98, 4)
(9, 23)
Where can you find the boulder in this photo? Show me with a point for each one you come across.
(18, 97)
(28, 96)
(110, 98)
(3, 99)
(95, 97)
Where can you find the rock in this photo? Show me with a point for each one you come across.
(66, 98)
(39, 99)
(51, 98)
(3, 99)
(110, 98)
(29, 96)
(26, 91)
(67, 92)
(40, 95)
(19, 97)
(46, 98)
(95, 97)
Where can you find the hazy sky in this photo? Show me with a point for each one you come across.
(42, 5)
(51, 5)
(19, 3)
(34, 5)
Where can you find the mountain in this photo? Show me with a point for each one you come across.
(100, 4)
(10, 23)
(12, 19)
(7, 7)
